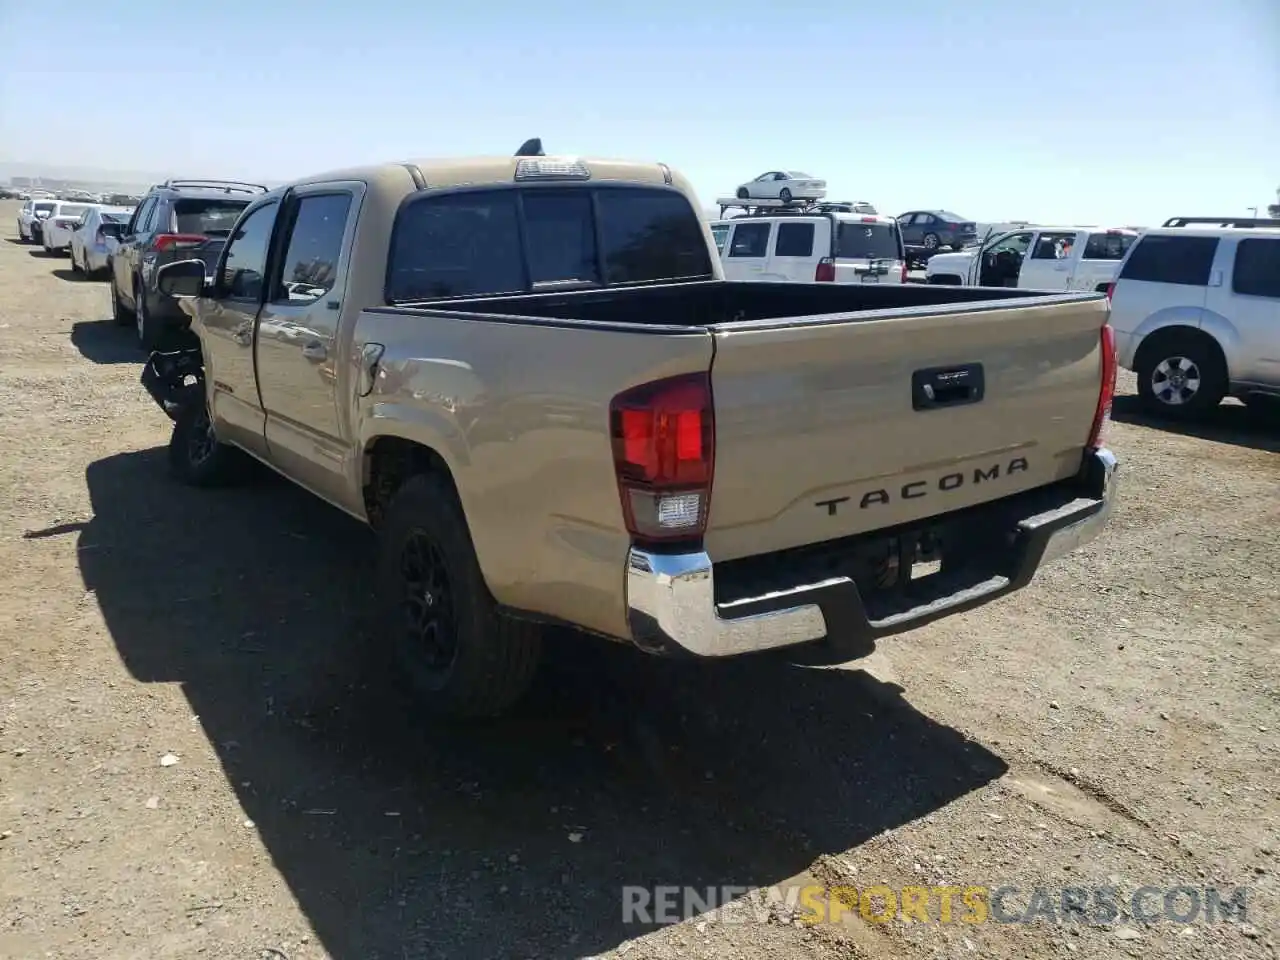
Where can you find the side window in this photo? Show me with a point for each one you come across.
(1257, 269)
(1108, 246)
(794, 240)
(749, 240)
(923, 220)
(1160, 258)
(140, 216)
(315, 243)
(1014, 243)
(456, 245)
(720, 232)
(245, 263)
(1053, 246)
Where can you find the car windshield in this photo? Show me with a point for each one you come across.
(953, 217)
(72, 210)
(116, 217)
(799, 175)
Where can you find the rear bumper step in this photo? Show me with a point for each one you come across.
(672, 606)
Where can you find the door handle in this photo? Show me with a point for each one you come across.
(370, 355)
(315, 350)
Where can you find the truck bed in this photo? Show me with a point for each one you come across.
(710, 303)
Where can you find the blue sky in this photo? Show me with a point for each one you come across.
(1095, 111)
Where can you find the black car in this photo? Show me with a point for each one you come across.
(177, 220)
(935, 230)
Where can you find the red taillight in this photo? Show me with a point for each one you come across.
(1111, 288)
(1107, 392)
(826, 272)
(663, 454)
(903, 277)
(176, 241)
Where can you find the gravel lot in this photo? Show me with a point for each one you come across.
(1113, 724)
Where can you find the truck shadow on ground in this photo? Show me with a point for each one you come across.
(404, 837)
(1231, 423)
(103, 341)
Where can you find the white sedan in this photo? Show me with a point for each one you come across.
(96, 238)
(784, 185)
(55, 232)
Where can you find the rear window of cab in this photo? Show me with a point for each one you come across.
(532, 238)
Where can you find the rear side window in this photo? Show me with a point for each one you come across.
(467, 244)
(794, 240)
(749, 240)
(1108, 246)
(720, 232)
(1159, 258)
(868, 241)
(1257, 269)
(209, 217)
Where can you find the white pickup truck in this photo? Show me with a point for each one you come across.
(1037, 258)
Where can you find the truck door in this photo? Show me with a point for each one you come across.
(791, 252)
(1049, 264)
(747, 249)
(225, 325)
(1000, 262)
(298, 348)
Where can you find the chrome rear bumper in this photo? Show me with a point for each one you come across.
(672, 609)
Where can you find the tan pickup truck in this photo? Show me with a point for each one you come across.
(529, 375)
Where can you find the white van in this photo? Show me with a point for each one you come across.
(812, 248)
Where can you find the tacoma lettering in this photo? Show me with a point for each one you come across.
(922, 488)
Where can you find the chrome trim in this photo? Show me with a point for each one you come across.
(671, 600)
(1064, 541)
(671, 597)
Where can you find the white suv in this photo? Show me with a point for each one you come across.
(1196, 314)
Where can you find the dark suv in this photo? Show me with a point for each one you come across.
(177, 220)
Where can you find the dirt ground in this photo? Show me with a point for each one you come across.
(1112, 725)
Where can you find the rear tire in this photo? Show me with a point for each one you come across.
(457, 652)
(1181, 376)
(149, 334)
(196, 459)
(742, 193)
(784, 195)
(121, 316)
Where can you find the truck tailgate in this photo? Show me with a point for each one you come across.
(826, 429)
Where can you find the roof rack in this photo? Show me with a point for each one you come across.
(1236, 222)
(765, 208)
(230, 186)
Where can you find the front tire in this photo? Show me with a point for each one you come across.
(458, 653)
(742, 193)
(931, 241)
(196, 458)
(1180, 377)
(784, 195)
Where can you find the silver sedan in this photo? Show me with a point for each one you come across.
(94, 240)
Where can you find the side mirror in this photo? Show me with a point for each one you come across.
(182, 279)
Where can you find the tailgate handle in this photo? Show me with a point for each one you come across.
(936, 387)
